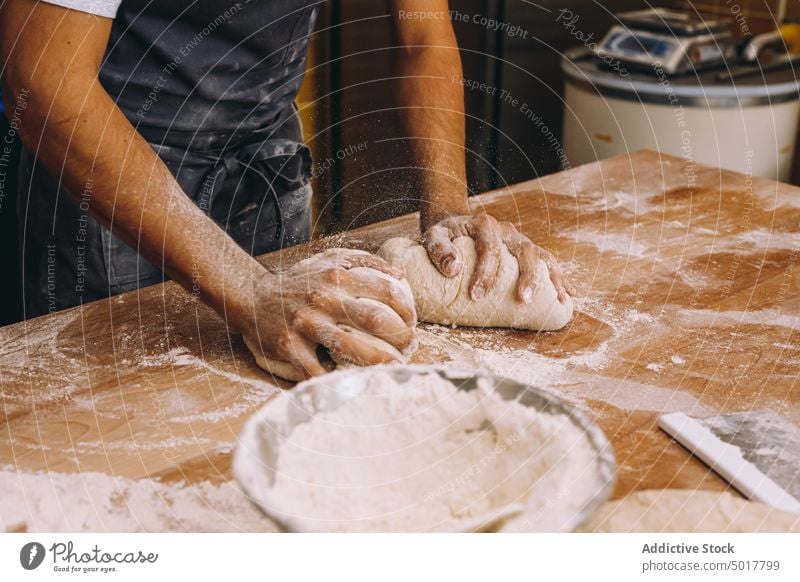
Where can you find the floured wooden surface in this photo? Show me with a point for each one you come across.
(97, 502)
(688, 301)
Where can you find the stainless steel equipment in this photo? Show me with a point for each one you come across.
(673, 41)
(678, 84)
(758, 452)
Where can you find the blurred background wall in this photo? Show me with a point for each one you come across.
(347, 98)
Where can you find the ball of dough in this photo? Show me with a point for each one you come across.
(687, 511)
(446, 300)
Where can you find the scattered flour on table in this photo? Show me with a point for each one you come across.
(250, 391)
(565, 377)
(476, 346)
(689, 511)
(713, 318)
(34, 354)
(422, 455)
(96, 502)
(183, 357)
(620, 244)
(758, 239)
(772, 199)
(634, 203)
(764, 238)
(635, 316)
(786, 346)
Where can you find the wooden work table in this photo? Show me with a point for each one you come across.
(688, 285)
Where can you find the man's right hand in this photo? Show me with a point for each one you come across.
(295, 311)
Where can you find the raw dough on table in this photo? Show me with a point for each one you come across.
(446, 300)
(287, 371)
(684, 511)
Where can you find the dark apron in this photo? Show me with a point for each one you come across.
(211, 86)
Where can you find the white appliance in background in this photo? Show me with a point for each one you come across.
(666, 82)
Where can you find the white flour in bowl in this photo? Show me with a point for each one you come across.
(423, 456)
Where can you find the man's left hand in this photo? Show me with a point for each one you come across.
(489, 236)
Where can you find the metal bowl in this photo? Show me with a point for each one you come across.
(256, 455)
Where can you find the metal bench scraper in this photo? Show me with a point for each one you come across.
(757, 452)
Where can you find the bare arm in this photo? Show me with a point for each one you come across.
(75, 129)
(431, 101)
(52, 56)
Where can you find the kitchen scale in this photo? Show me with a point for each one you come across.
(672, 41)
(686, 86)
